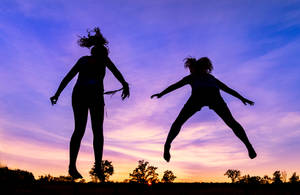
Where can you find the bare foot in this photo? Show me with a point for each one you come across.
(99, 173)
(167, 155)
(251, 152)
(74, 173)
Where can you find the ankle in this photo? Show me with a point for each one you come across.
(72, 167)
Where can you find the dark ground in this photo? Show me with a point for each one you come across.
(139, 189)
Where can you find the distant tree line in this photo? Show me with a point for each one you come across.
(277, 178)
(144, 173)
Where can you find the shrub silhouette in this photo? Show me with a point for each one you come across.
(294, 178)
(168, 177)
(107, 171)
(277, 178)
(266, 179)
(50, 179)
(63, 179)
(144, 173)
(45, 178)
(243, 179)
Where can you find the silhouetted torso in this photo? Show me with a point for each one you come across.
(89, 86)
(205, 89)
(91, 73)
(201, 82)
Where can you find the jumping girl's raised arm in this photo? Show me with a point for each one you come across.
(71, 74)
(234, 93)
(173, 87)
(110, 65)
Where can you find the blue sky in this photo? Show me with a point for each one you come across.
(253, 45)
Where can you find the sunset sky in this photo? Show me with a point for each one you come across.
(254, 47)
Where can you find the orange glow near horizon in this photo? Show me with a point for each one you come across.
(44, 160)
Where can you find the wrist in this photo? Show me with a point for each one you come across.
(125, 84)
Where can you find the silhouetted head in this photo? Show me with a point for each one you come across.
(97, 42)
(99, 50)
(202, 65)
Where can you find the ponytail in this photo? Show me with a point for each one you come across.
(190, 62)
(201, 64)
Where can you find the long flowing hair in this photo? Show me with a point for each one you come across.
(96, 41)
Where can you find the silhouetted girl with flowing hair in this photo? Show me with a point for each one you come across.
(205, 92)
(88, 96)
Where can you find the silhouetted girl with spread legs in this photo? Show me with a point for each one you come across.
(205, 92)
(88, 96)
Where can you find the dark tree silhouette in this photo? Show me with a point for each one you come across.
(294, 178)
(144, 173)
(16, 176)
(168, 177)
(107, 171)
(277, 178)
(233, 174)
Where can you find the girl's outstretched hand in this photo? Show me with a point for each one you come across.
(246, 101)
(125, 92)
(53, 99)
(158, 95)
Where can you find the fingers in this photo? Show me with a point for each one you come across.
(53, 100)
(248, 102)
(155, 95)
(125, 94)
(128, 93)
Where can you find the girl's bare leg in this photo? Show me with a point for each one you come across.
(80, 117)
(225, 114)
(97, 116)
(187, 111)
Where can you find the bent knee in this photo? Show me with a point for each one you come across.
(234, 125)
(231, 122)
